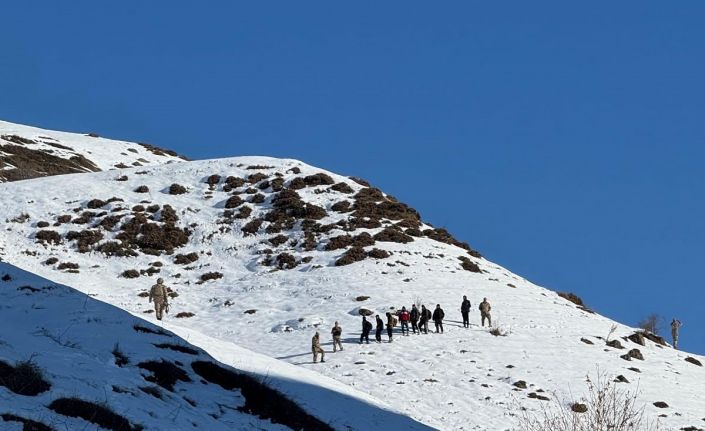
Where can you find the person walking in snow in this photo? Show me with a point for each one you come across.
(485, 309)
(675, 328)
(390, 325)
(366, 328)
(159, 295)
(336, 332)
(404, 318)
(414, 317)
(316, 348)
(380, 328)
(438, 316)
(423, 321)
(465, 311)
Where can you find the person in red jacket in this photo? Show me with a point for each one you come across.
(404, 318)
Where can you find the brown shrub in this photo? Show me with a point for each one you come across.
(339, 242)
(413, 232)
(442, 235)
(469, 265)
(295, 170)
(243, 212)
(24, 378)
(63, 219)
(138, 208)
(85, 217)
(109, 222)
(153, 208)
(286, 261)
(51, 261)
(297, 183)
(278, 240)
(234, 182)
(142, 189)
(211, 276)
(213, 180)
(360, 181)
(277, 184)
(393, 235)
(48, 236)
(342, 188)
(376, 253)
(168, 215)
(130, 273)
(363, 240)
(264, 185)
(252, 227)
(95, 204)
(177, 189)
(114, 248)
(341, 207)
(42, 224)
(185, 259)
(575, 299)
(234, 202)
(85, 239)
(67, 265)
(318, 179)
(255, 178)
(257, 199)
(363, 223)
(122, 178)
(354, 254)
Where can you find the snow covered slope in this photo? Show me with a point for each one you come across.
(63, 353)
(28, 152)
(262, 252)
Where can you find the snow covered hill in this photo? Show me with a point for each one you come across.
(263, 252)
(68, 361)
(28, 152)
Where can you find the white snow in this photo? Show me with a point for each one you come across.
(460, 380)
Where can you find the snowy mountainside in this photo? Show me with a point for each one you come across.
(29, 152)
(262, 252)
(63, 353)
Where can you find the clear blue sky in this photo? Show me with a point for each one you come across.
(565, 141)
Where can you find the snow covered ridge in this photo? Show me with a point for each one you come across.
(28, 152)
(262, 252)
(68, 361)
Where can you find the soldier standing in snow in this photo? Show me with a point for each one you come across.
(414, 316)
(485, 309)
(316, 348)
(337, 331)
(465, 311)
(423, 322)
(390, 325)
(404, 318)
(380, 328)
(675, 327)
(159, 295)
(438, 316)
(366, 328)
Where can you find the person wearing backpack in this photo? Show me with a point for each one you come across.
(366, 328)
(423, 322)
(390, 325)
(404, 318)
(380, 328)
(337, 332)
(465, 311)
(414, 317)
(438, 316)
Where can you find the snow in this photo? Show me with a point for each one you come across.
(459, 380)
(70, 337)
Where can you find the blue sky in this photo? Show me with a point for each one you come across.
(563, 140)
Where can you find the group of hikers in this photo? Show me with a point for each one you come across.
(417, 318)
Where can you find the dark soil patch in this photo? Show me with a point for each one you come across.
(94, 413)
(177, 348)
(27, 424)
(164, 373)
(260, 399)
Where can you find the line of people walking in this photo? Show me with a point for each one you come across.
(417, 318)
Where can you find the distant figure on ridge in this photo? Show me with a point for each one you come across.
(404, 318)
(414, 316)
(337, 331)
(485, 309)
(425, 317)
(465, 311)
(675, 328)
(366, 328)
(438, 316)
(380, 328)
(159, 295)
(316, 348)
(390, 325)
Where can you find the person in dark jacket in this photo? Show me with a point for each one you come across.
(423, 320)
(337, 332)
(380, 328)
(390, 325)
(438, 316)
(366, 328)
(414, 316)
(465, 311)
